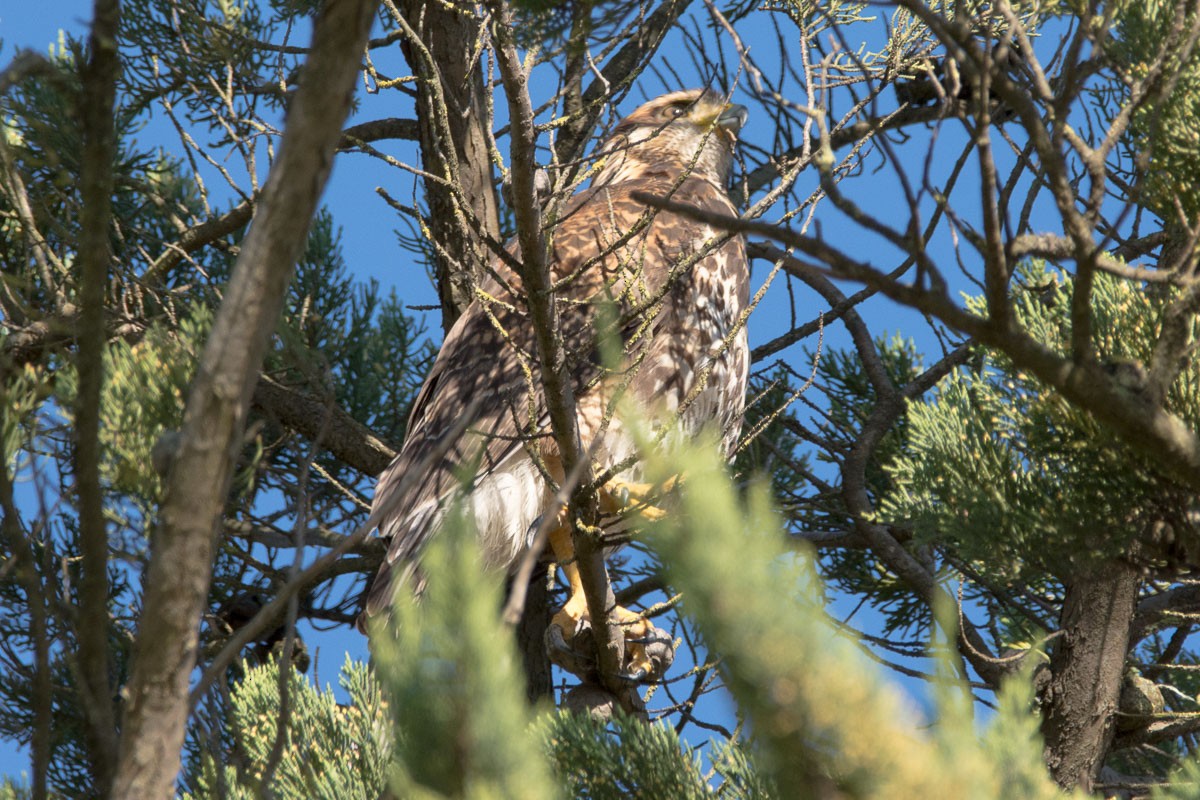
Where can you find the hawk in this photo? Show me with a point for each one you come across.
(668, 290)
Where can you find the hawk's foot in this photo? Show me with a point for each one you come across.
(620, 497)
(649, 651)
(569, 637)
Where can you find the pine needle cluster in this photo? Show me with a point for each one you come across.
(1008, 473)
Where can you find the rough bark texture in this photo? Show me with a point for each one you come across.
(1086, 668)
(451, 115)
(99, 94)
(531, 639)
(345, 437)
(182, 550)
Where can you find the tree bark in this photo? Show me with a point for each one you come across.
(1086, 669)
(182, 549)
(92, 662)
(344, 437)
(531, 639)
(451, 119)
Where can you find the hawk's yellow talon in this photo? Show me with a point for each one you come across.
(619, 496)
(639, 633)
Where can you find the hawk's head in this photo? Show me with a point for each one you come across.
(693, 131)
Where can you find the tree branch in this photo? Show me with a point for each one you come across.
(1157, 731)
(454, 129)
(24, 65)
(319, 569)
(763, 174)
(1155, 612)
(98, 98)
(556, 383)
(345, 437)
(194, 238)
(182, 549)
(30, 577)
(1144, 427)
(376, 129)
(618, 75)
(1058, 248)
(24, 344)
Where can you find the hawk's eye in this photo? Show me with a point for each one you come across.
(676, 111)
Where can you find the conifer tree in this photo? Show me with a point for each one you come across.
(974, 409)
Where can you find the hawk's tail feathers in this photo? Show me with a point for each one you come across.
(400, 568)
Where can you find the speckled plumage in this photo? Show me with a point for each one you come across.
(678, 287)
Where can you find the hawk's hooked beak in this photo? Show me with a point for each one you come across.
(733, 118)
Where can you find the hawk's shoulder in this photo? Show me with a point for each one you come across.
(609, 222)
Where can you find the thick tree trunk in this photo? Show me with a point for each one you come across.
(177, 579)
(1086, 669)
(451, 120)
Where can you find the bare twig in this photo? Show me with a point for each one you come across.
(272, 611)
(194, 238)
(1145, 428)
(30, 576)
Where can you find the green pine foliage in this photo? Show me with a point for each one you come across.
(68, 773)
(214, 38)
(21, 394)
(1006, 472)
(341, 337)
(1163, 141)
(462, 726)
(771, 446)
(42, 135)
(143, 396)
(1184, 785)
(342, 750)
(328, 749)
(12, 790)
(628, 758)
(850, 395)
(822, 717)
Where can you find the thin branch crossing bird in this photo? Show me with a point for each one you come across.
(650, 305)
